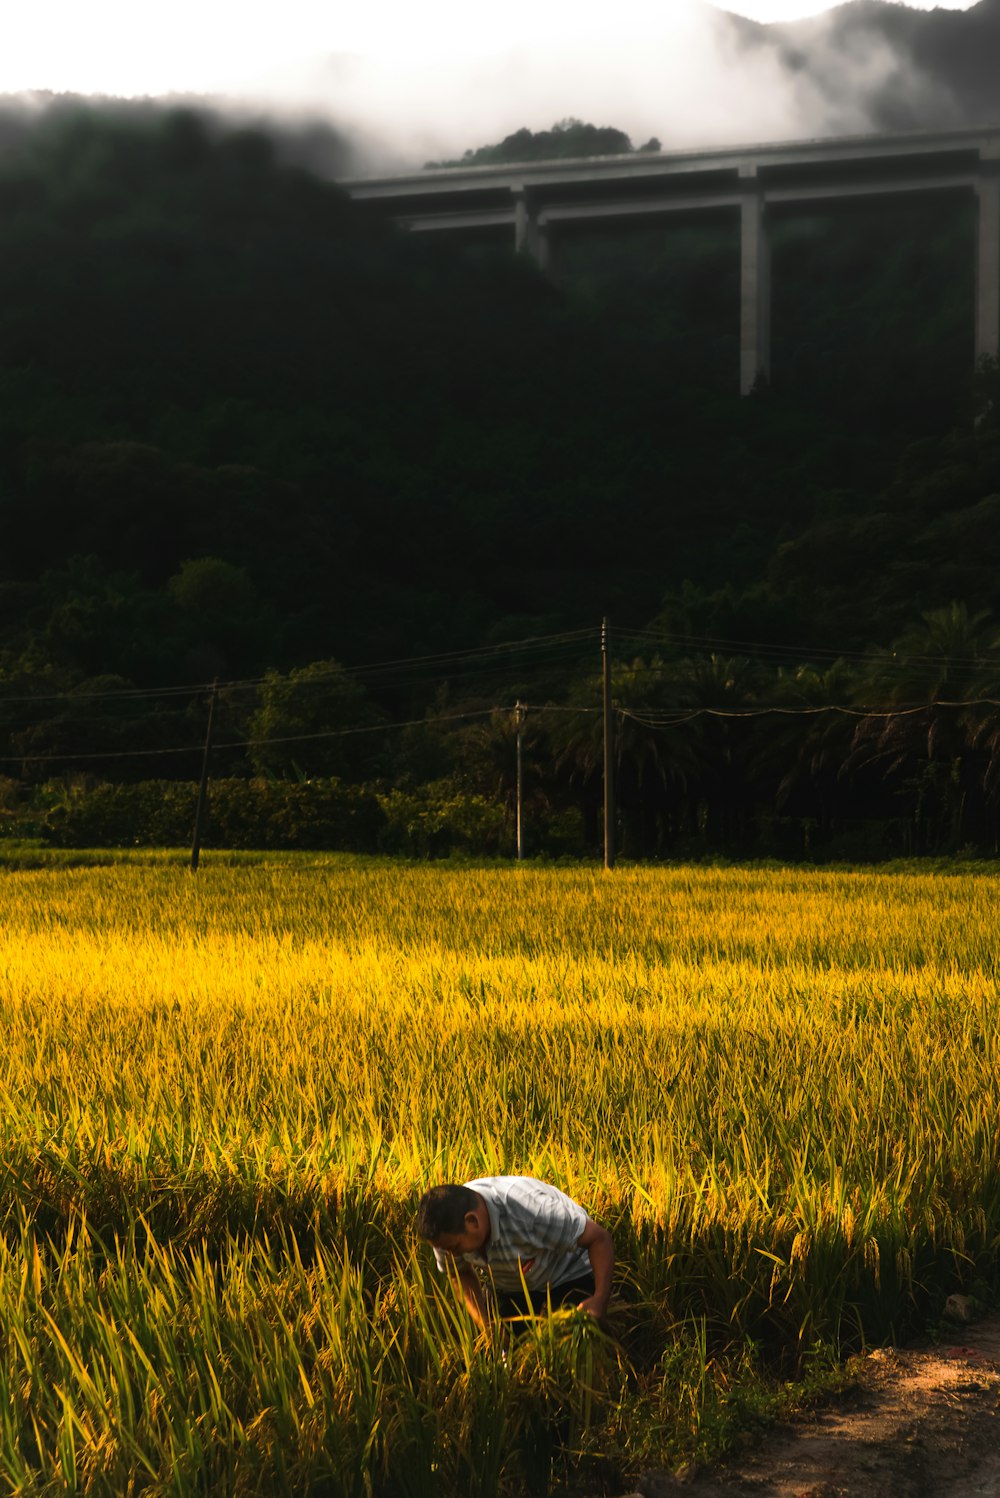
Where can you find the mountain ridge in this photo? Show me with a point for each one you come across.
(947, 62)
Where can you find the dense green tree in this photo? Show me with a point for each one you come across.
(225, 624)
(245, 425)
(568, 138)
(317, 720)
(923, 736)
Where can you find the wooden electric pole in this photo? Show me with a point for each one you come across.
(519, 715)
(609, 752)
(199, 810)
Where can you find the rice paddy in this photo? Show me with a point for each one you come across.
(221, 1097)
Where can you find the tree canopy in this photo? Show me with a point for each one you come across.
(567, 139)
(249, 431)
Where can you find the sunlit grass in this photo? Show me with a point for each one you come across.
(222, 1096)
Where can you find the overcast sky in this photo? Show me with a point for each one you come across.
(437, 75)
(121, 46)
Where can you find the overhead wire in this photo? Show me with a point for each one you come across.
(440, 658)
(505, 647)
(804, 654)
(648, 718)
(536, 665)
(534, 655)
(548, 661)
(398, 670)
(297, 738)
(653, 718)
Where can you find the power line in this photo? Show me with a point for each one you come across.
(539, 666)
(441, 658)
(646, 717)
(469, 672)
(481, 663)
(120, 693)
(548, 646)
(541, 661)
(551, 707)
(803, 654)
(508, 646)
(665, 718)
(342, 733)
(297, 738)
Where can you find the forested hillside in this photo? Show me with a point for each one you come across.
(908, 69)
(246, 430)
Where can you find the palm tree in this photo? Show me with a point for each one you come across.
(924, 727)
(656, 753)
(803, 759)
(717, 690)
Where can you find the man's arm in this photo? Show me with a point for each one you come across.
(472, 1294)
(600, 1248)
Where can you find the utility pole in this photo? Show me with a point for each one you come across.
(609, 751)
(203, 783)
(519, 716)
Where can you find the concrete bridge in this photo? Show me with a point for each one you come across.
(534, 201)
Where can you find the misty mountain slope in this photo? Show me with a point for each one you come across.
(902, 69)
(204, 353)
(690, 75)
(402, 448)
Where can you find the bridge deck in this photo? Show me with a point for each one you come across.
(539, 199)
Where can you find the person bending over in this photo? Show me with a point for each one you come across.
(513, 1232)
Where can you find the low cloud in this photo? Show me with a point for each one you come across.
(300, 138)
(700, 78)
(704, 78)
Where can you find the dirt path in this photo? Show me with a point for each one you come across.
(921, 1423)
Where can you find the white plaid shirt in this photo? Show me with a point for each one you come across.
(535, 1230)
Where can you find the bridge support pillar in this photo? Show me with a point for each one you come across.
(530, 236)
(988, 257)
(755, 284)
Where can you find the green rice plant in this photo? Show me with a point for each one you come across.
(222, 1097)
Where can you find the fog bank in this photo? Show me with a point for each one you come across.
(703, 77)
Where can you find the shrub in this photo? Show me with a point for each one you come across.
(431, 821)
(240, 814)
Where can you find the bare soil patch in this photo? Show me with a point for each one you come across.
(918, 1423)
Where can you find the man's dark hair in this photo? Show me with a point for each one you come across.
(442, 1209)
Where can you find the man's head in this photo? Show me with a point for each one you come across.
(454, 1219)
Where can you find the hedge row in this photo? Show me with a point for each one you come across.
(428, 821)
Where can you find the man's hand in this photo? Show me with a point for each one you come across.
(475, 1304)
(472, 1294)
(600, 1248)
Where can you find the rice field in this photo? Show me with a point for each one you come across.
(221, 1097)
